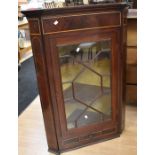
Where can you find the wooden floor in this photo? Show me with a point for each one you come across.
(32, 139)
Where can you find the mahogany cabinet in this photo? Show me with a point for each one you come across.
(80, 56)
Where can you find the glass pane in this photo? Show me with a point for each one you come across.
(86, 82)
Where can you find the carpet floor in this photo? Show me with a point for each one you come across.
(27, 85)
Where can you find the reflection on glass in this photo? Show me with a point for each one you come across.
(86, 82)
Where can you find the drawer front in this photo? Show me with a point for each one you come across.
(132, 55)
(84, 21)
(131, 94)
(131, 74)
(132, 32)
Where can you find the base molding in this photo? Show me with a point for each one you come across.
(78, 147)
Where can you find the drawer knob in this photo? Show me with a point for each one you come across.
(55, 22)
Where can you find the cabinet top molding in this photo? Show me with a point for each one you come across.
(36, 12)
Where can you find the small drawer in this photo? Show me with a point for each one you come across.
(132, 33)
(131, 94)
(132, 55)
(80, 21)
(131, 74)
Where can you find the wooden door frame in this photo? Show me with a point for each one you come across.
(55, 79)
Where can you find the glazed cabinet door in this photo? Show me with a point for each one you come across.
(83, 68)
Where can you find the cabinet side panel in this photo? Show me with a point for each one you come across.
(38, 55)
(123, 68)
